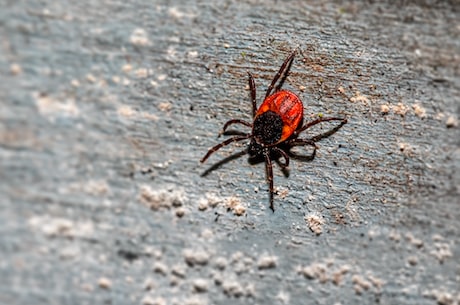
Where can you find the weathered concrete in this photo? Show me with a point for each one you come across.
(106, 108)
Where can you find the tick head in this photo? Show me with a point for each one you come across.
(255, 149)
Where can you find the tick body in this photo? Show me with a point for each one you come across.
(276, 125)
(283, 112)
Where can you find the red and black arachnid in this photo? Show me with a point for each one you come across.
(276, 125)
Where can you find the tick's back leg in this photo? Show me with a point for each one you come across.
(284, 69)
(320, 120)
(269, 169)
(252, 88)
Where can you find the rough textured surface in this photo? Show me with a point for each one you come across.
(106, 108)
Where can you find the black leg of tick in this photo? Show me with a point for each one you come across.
(225, 143)
(224, 161)
(284, 155)
(269, 169)
(284, 76)
(317, 121)
(235, 121)
(287, 63)
(328, 133)
(302, 142)
(252, 88)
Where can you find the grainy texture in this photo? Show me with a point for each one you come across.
(106, 108)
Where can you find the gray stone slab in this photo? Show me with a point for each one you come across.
(107, 107)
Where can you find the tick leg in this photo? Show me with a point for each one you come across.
(303, 142)
(317, 121)
(269, 169)
(225, 143)
(285, 156)
(287, 63)
(252, 87)
(235, 121)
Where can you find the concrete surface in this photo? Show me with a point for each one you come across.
(107, 107)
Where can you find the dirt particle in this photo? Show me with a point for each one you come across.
(394, 236)
(239, 210)
(337, 276)
(104, 283)
(165, 106)
(149, 284)
(315, 223)
(53, 107)
(443, 297)
(207, 234)
(419, 110)
(75, 83)
(400, 109)
(213, 200)
(451, 122)
(283, 297)
(153, 252)
(127, 68)
(221, 263)
(62, 227)
(360, 283)
(179, 271)
(442, 251)
(202, 204)
(200, 285)
(180, 212)
(149, 116)
(244, 265)
(192, 54)
(384, 109)
(139, 37)
(196, 257)
(91, 78)
(164, 198)
(161, 77)
(407, 149)
(218, 278)
(15, 69)
(315, 271)
(142, 72)
(377, 282)
(359, 98)
(267, 262)
(234, 204)
(126, 111)
(116, 79)
(160, 268)
(233, 288)
(412, 260)
(148, 300)
(238, 255)
(414, 241)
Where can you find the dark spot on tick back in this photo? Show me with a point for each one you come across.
(268, 127)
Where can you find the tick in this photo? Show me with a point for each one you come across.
(276, 125)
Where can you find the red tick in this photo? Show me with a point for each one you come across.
(276, 126)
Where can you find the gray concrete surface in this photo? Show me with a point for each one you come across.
(107, 106)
